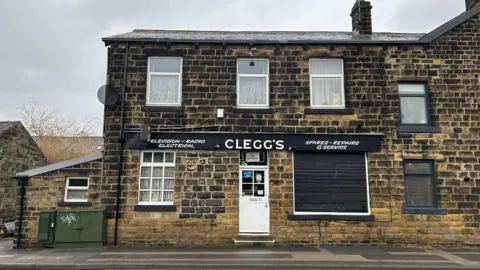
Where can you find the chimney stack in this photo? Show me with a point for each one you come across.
(471, 3)
(362, 17)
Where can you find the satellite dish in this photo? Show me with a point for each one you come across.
(107, 95)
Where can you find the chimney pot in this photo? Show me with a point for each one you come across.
(471, 3)
(362, 17)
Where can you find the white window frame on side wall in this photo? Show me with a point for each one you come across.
(68, 188)
(151, 165)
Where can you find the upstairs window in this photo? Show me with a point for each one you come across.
(157, 176)
(414, 104)
(164, 81)
(252, 83)
(76, 189)
(327, 84)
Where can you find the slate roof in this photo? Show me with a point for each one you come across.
(60, 165)
(269, 37)
(5, 125)
(287, 37)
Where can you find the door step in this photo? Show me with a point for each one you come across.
(254, 240)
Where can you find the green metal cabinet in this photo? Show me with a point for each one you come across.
(80, 228)
(46, 227)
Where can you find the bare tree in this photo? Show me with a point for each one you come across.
(59, 138)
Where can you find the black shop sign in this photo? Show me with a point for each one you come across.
(262, 141)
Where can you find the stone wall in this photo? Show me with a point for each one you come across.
(451, 67)
(390, 225)
(18, 153)
(206, 200)
(45, 191)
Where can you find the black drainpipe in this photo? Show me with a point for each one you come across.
(22, 198)
(121, 140)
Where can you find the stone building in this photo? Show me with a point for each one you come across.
(293, 137)
(18, 152)
(70, 184)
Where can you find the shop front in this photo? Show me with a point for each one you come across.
(325, 177)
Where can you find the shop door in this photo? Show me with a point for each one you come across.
(254, 213)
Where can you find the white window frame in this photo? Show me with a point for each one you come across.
(333, 213)
(149, 76)
(68, 188)
(266, 76)
(151, 165)
(341, 76)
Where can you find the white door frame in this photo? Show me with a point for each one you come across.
(266, 197)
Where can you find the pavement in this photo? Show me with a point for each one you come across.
(230, 257)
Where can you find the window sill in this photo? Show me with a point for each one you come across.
(160, 108)
(257, 110)
(346, 111)
(418, 129)
(155, 208)
(331, 217)
(433, 211)
(74, 204)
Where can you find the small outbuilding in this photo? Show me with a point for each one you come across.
(73, 183)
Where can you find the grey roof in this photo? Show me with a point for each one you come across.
(288, 37)
(60, 165)
(441, 30)
(5, 125)
(269, 37)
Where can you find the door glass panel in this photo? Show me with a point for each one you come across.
(247, 180)
(253, 183)
(259, 190)
(247, 189)
(247, 176)
(259, 177)
(259, 186)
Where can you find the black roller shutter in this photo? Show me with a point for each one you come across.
(330, 182)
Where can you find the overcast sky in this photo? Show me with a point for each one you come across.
(52, 49)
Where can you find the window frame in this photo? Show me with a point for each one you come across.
(149, 76)
(369, 213)
(68, 188)
(151, 165)
(267, 88)
(341, 76)
(426, 100)
(432, 174)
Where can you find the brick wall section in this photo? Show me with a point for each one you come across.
(451, 67)
(45, 191)
(18, 152)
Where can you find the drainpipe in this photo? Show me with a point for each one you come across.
(121, 140)
(22, 198)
